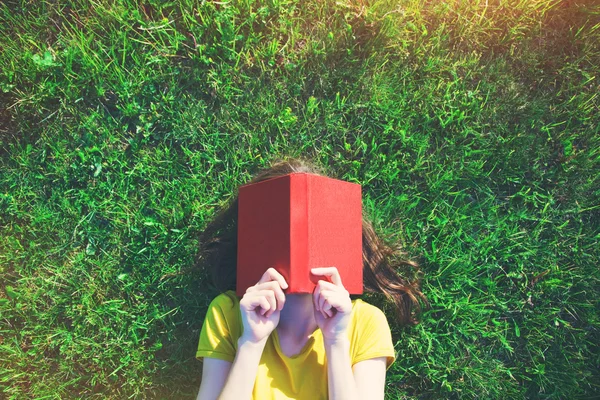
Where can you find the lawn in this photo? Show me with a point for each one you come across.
(472, 125)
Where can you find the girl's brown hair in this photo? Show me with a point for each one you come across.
(218, 252)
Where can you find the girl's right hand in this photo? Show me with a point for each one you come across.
(261, 306)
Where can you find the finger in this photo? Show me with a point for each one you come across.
(330, 272)
(340, 301)
(335, 302)
(317, 300)
(322, 300)
(270, 296)
(329, 312)
(333, 297)
(273, 286)
(339, 292)
(252, 301)
(325, 285)
(265, 305)
(273, 275)
(327, 306)
(316, 297)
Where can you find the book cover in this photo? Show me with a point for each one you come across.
(297, 222)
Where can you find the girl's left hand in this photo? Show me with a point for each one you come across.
(332, 304)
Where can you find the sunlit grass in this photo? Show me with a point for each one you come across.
(473, 127)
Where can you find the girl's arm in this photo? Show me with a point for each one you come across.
(260, 309)
(333, 307)
(214, 374)
(340, 380)
(365, 380)
(224, 380)
(240, 382)
(369, 376)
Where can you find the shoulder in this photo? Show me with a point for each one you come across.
(362, 310)
(369, 333)
(225, 301)
(221, 329)
(224, 309)
(223, 317)
(367, 318)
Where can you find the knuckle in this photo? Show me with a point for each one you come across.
(268, 285)
(276, 285)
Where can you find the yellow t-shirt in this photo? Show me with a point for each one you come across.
(303, 376)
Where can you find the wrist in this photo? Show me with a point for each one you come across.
(252, 343)
(340, 340)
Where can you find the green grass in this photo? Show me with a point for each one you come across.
(473, 127)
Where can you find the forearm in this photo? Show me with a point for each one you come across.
(240, 382)
(340, 378)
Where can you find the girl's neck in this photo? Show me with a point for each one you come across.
(297, 318)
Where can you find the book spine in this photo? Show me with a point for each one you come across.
(299, 234)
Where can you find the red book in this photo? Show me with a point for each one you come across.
(297, 222)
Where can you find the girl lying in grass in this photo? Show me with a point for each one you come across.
(269, 345)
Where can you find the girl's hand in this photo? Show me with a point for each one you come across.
(332, 304)
(261, 306)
